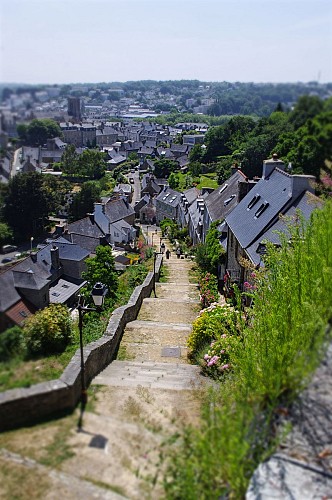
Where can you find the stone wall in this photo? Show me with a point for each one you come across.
(28, 405)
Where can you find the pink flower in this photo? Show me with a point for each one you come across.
(206, 357)
(225, 367)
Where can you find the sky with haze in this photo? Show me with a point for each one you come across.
(68, 41)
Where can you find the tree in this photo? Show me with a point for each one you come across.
(196, 154)
(6, 234)
(91, 163)
(83, 201)
(173, 181)
(210, 254)
(101, 268)
(69, 160)
(38, 131)
(306, 107)
(49, 330)
(163, 168)
(29, 200)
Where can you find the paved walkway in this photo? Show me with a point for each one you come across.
(143, 398)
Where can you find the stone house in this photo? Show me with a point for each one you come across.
(254, 219)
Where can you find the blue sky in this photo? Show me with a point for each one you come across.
(65, 41)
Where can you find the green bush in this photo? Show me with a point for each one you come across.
(136, 274)
(11, 343)
(211, 324)
(48, 331)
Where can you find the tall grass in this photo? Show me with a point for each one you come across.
(282, 345)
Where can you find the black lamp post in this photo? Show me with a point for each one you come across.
(98, 295)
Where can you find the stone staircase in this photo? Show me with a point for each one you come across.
(144, 396)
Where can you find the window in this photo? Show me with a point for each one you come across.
(23, 314)
(65, 286)
(261, 209)
(55, 294)
(227, 202)
(253, 201)
(223, 188)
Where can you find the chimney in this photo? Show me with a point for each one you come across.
(59, 229)
(244, 188)
(91, 217)
(234, 168)
(55, 257)
(301, 183)
(33, 256)
(271, 164)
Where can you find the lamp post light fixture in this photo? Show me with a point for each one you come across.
(98, 294)
(147, 234)
(31, 240)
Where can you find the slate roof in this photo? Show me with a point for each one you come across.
(8, 293)
(65, 288)
(117, 209)
(169, 197)
(306, 203)
(215, 201)
(191, 194)
(85, 227)
(142, 202)
(273, 194)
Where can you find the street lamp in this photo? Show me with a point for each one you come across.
(98, 295)
(31, 240)
(147, 234)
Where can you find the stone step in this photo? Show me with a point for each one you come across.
(173, 376)
(177, 291)
(168, 311)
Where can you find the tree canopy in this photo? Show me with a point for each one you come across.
(38, 131)
(31, 197)
(101, 269)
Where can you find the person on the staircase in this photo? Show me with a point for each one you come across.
(162, 247)
(168, 253)
(178, 252)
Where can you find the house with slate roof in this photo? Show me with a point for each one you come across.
(149, 185)
(167, 204)
(52, 274)
(220, 202)
(254, 220)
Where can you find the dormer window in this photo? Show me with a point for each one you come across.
(227, 202)
(223, 188)
(253, 201)
(261, 209)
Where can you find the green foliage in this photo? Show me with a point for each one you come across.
(173, 181)
(11, 343)
(281, 344)
(38, 131)
(211, 324)
(48, 330)
(83, 201)
(30, 198)
(136, 274)
(91, 163)
(164, 167)
(6, 234)
(101, 269)
(210, 254)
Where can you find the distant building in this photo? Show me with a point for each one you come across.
(74, 107)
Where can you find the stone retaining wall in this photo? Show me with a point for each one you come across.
(28, 405)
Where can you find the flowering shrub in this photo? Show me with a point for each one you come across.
(208, 288)
(217, 360)
(210, 325)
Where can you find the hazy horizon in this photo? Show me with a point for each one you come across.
(96, 41)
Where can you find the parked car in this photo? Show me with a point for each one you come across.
(6, 259)
(8, 248)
